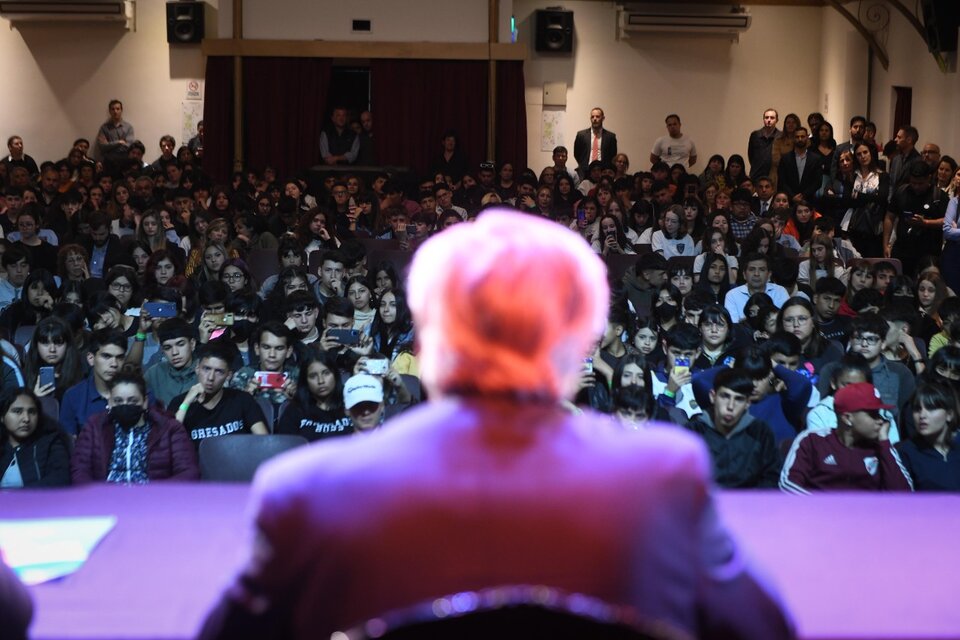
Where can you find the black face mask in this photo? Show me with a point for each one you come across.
(667, 311)
(126, 415)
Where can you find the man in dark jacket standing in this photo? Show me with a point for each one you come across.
(132, 442)
(741, 446)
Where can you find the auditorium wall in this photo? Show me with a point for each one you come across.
(718, 87)
(59, 77)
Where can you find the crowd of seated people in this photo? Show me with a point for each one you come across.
(806, 326)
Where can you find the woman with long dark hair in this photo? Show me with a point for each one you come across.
(392, 328)
(34, 452)
(317, 411)
(53, 345)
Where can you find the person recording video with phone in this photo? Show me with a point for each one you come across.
(273, 375)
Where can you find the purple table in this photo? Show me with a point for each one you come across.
(848, 566)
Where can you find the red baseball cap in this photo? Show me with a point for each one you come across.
(859, 396)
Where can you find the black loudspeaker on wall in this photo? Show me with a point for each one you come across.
(941, 18)
(554, 31)
(185, 22)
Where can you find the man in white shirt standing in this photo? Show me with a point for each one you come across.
(675, 147)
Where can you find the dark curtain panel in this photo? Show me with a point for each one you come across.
(415, 101)
(511, 135)
(283, 112)
(903, 109)
(218, 119)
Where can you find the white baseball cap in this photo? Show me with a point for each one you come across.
(362, 388)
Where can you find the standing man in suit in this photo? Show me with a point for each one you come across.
(494, 481)
(595, 143)
(800, 171)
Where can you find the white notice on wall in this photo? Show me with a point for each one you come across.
(551, 128)
(191, 113)
(194, 90)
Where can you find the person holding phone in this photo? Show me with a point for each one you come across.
(397, 396)
(670, 382)
(53, 363)
(274, 375)
(338, 333)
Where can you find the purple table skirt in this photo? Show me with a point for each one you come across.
(848, 566)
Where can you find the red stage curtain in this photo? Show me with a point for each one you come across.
(415, 101)
(283, 111)
(511, 135)
(218, 119)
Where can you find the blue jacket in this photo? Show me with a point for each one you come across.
(783, 412)
(931, 470)
(80, 401)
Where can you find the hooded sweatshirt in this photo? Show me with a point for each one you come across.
(744, 458)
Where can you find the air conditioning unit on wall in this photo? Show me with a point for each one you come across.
(694, 19)
(119, 11)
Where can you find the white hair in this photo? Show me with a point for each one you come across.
(507, 305)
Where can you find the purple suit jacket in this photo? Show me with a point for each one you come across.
(467, 494)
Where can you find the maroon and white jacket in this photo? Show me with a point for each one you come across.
(819, 460)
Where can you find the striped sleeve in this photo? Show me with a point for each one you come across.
(797, 464)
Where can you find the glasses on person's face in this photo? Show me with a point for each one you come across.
(874, 414)
(870, 340)
(232, 276)
(339, 192)
(796, 321)
(118, 286)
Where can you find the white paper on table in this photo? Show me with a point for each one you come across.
(44, 549)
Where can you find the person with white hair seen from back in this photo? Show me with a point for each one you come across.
(493, 481)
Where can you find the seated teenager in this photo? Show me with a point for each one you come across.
(397, 395)
(797, 317)
(273, 347)
(786, 349)
(741, 447)
(337, 317)
(713, 275)
(894, 382)
(828, 295)
(883, 272)
(611, 348)
(670, 382)
(363, 400)
(949, 313)
(53, 345)
(900, 345)
(176, 372)
(779, 396)
(932, 456)
(633, 406)
(34, 452)
(106, 350)
(132, 442)
(210, 409)
(289, 254)
(853, 368)
(104, 312)
(316, 411)
(16, 265)
(857, 455)
(302, 312)
(37, 297)
(716, 338)
(643, 280)
(247, 309)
